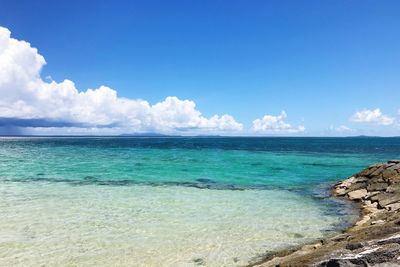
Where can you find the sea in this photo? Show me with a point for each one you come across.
(173, 201)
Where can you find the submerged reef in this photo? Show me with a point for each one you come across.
(373, 240)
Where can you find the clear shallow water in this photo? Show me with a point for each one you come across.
(171, 201)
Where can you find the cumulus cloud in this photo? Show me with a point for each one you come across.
(372, 116)
(275, 124)
(27, 99)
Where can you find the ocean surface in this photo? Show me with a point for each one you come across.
(173, 201)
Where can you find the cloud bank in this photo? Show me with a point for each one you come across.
(26, 100)
(372, 116)
(275, 125)
(32, 105)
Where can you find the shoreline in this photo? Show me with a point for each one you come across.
(372, 239)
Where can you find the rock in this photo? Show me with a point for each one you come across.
(370, 195)
(377, 222)
(393, 207)
(387, 264)
(360, 179)
(368, 171)
(311, 247)
(389, 173)
(341, 191)
(344, 263)
(393, 188)
(357, 186)
(378, 171)
(377, 187)
(386, 199)
(364, 220)
(341, 237)
(357, 194)
(394, 161)
(367, 203)
(394, 179)
(384, 253)
(354, 246)
(315, 246)
(376, 197)
(348, 182)
(395, 167)
(367, 257)
(370, 207)
(391, 239)
(348, 185)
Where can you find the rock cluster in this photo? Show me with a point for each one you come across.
(377, 187)
(374, 240)
(380, 252)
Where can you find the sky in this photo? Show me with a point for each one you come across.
(298, 68)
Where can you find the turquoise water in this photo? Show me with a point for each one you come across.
(171, 201)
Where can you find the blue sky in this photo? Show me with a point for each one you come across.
(319, 61)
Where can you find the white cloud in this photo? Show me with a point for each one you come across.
(275, 124)
(372, 116)
(25, 95)
(341, 129)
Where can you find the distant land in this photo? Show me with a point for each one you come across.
(155, 135)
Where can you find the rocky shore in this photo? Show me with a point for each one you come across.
(374, 240)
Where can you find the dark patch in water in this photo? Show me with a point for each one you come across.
(42, 179)
(277, 168)
(200, 183)
(199, 261)
(330, 165)
(297, 235)
(205, 180)
(314, 164)
(90, 180)
(115, 183)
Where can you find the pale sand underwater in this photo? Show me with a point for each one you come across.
(64, 225)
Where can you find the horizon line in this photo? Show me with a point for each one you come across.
(201, 136)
